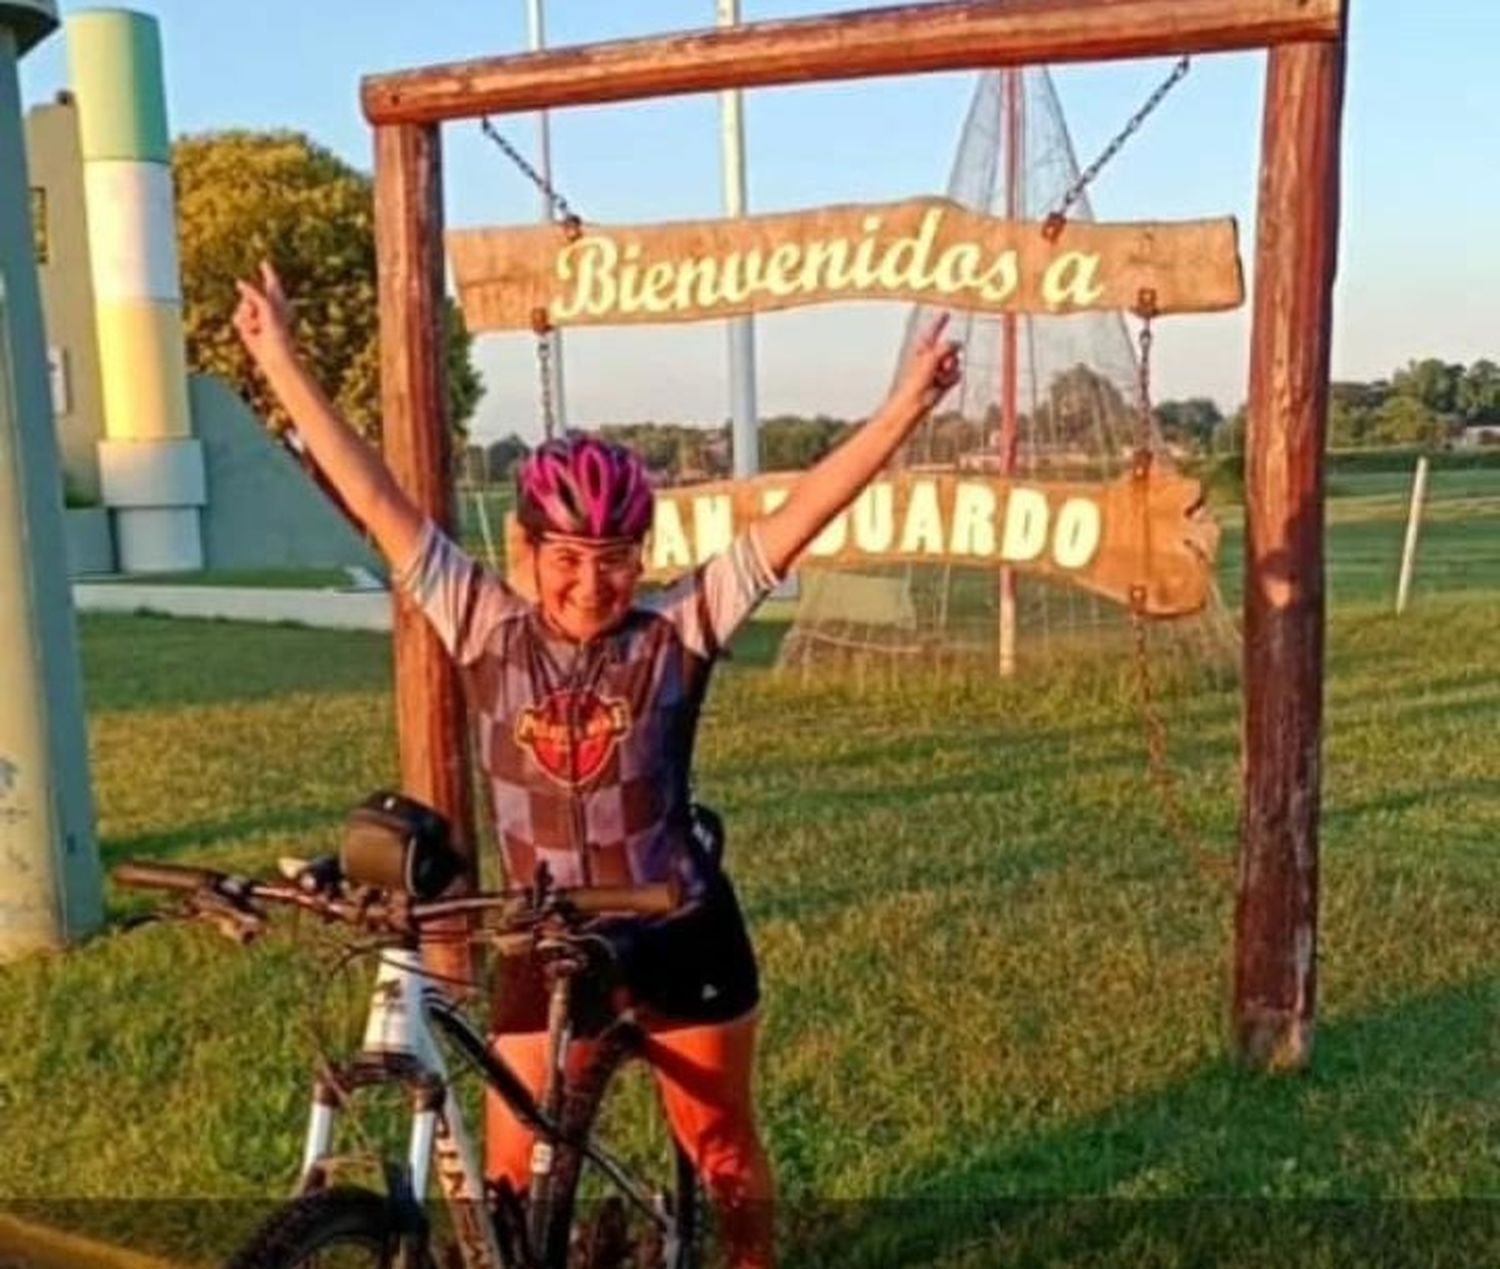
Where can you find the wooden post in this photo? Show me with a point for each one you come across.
(1276, 899)
(1413, 528)
(413, 398)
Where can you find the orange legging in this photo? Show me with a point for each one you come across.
(704, 1076)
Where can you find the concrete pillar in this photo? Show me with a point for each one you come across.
(49, 870)
(150, 465)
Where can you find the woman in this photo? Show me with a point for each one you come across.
(586, 701)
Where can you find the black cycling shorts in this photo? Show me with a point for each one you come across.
(692, 968)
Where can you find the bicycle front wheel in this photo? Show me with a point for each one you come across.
(340, 1228)
(591, 1222)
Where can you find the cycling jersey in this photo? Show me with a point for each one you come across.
(588, 748)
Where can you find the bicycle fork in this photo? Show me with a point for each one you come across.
(398, 1047)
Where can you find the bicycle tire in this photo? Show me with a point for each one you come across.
(573, 1238)
(305, 1234)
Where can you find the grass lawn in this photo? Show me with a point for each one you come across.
(991, 974)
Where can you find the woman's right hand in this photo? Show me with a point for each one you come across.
(263, 318)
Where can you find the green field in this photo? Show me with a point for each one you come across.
(992, 976)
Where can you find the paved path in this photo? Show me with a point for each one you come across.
(333, 609)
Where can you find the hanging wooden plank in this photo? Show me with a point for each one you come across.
(1276, 900)
(430, 717)
(1146, 531)
(926, 250)
(970, 34)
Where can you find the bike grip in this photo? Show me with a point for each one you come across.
(148, 876)
(656, 900)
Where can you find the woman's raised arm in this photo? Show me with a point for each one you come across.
(350, 464)
(826, 489)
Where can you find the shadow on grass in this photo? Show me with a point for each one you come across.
(1225, 1168)
(190, 838)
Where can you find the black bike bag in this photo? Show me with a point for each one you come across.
(397, 843)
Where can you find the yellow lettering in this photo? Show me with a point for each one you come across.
(825, 265)
(922, 533)
(905, 262)
(630, 279)
(1077, 535)
(1025, 525)
(770, 499)
(861, 270)
(973, 520)
(669, 544)
(657, 287)
(957, 268)
(874, 516)
(713, 524)
(1071, 281)
(1001, 279)
(831, 540)
(697, 284)
(594, 288)
(786, 259)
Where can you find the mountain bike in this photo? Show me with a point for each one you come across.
(384, 894)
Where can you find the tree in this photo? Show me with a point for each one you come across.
(1478, 396)
(247, 196)
(1432, 382)
(1405, 420)
(1192, 422)
(501, 456)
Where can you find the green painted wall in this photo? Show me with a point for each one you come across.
(114, 63)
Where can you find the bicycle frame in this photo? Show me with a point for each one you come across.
(399, 1047)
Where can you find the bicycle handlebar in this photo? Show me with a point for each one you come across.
(391, 910)
(139, 875)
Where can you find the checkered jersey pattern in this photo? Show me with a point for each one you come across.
(588, 750)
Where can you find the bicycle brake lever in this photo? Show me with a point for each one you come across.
(237, 921)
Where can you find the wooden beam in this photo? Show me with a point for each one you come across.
(1276, 898)
(413, 399)
(893, 41)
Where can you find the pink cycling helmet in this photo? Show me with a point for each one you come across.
(583, 486)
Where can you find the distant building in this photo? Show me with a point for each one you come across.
(1477, 434)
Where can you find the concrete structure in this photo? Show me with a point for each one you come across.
(49, 869)
(186, 476)
(150, 464)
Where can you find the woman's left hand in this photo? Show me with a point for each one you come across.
(933, 368)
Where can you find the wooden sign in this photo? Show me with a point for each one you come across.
(927, 250)
(1149, 532)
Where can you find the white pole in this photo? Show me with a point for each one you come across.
(484, 527)
(538, 40)
(1413, 525)
(744, 430)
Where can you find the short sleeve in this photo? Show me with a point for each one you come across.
(463, 601)
(718, 597)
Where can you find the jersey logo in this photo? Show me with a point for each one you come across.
(573, 753)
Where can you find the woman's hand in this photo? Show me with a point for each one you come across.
(263, 318)
(931, 370)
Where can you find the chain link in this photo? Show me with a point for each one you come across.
(558, 203)
(544, 369)
(541, 323)
(1059, 218)
(1159, 770)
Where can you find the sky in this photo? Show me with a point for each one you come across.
(1419, 271)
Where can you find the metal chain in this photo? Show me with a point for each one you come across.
(559, 204)
(541, 323)
(1159, 770)
(544, 369)
(1059, 218)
